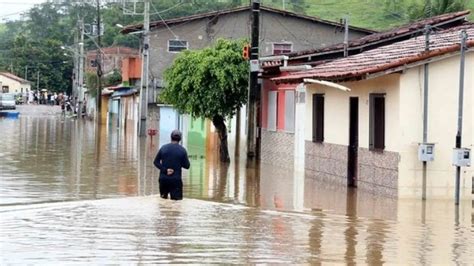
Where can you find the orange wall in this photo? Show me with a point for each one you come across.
(131, 68)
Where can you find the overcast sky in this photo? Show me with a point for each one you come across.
(11, 9)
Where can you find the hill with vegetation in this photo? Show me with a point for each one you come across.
(371, 14)
(28, 44)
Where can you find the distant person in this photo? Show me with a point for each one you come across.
(170, 159)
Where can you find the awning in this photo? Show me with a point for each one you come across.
(124, 92)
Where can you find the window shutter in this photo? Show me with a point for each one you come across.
(318, 117)
(377, 122)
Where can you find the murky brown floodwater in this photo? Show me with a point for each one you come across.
(52, 171)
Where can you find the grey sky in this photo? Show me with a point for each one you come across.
(11, 9)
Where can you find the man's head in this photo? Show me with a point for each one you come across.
(176, 135)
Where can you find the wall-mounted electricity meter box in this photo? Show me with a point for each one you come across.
(462, 157)
(426, 152)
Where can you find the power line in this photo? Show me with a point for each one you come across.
(164, 22)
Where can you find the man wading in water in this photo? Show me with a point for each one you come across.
(170, 159)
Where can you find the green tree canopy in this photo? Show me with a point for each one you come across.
(430, 8)
(210, 83)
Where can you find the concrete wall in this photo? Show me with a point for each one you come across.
(377, 171)
(304, 34)
(442, 127)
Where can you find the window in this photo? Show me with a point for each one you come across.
(377, 122)
(318, 117)
(280, 48)
(272, 110)
(290, 111)
(175, 46)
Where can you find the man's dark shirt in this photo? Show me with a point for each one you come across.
(171, 156)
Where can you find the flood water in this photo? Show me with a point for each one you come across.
(74, 192)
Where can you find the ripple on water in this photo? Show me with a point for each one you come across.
(150, 229)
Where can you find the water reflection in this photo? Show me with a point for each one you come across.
(275, 215)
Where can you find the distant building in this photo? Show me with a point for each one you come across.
(112, 59)
(9, 83)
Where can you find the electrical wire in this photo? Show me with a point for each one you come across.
(164, 22)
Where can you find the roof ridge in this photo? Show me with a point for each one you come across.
(157, 23)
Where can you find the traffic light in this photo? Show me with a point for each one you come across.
(246, 52)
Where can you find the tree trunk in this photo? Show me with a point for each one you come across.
(221, 128)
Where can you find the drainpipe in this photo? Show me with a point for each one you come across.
(425, 107)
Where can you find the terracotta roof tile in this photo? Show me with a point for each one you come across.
(386, 57)
(393, 33)
(14, 77)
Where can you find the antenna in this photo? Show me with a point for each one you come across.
(133, 7)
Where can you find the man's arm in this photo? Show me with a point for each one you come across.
(185, 161)
(157, 162)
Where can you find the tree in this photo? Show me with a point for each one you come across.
(210, 83)
(430, 8)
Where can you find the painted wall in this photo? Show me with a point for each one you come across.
(336, 104)
(169, 120)
(377, 172)
(442, 127)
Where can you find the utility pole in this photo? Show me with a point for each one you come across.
(254, 89)
(460, 110)
(26, 72)
(425, 107)
(283, 4)
(144, 83)
(37, 81)
(346, 36)
(99, 66)
(80, 84)
(76, 68)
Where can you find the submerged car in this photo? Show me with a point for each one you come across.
(7, 101)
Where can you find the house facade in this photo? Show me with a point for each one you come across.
(359, 120)
(10, 83)
(279, 102)
(112, 58)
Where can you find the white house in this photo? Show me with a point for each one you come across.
(9, 83)
(368, 135)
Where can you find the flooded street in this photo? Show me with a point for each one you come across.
(73, 192)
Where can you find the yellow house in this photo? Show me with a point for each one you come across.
(360, 119)
(10, 83)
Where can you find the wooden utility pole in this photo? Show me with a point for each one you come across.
(254, 88)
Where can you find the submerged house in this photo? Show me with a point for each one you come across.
(278, 99)
(120, 106)
(359, 119)
(281, 32)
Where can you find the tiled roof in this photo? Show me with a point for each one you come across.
(119, 50)
(386, 58)
(161, 23)
(404, 30)
(12, 76)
